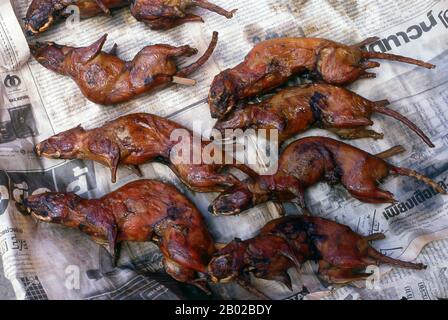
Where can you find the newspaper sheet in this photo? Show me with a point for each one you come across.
(45, 261)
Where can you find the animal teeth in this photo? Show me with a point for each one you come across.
(40, 218)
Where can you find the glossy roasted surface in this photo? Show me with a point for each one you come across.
(158, 14)
(42, 14)
(136, 139)
(342, 255)
(273, 62)
(106, 79)
(163, 14)
(310, 160)
(297, 109)
(143, 210)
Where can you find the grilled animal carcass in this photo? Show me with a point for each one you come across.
(106, 79)
(296, 109)
(139, 138)
(287, 242)
(143, 210)
(158, 14)
(273, 62)
(308, 161)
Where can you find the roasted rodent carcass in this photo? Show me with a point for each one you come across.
(287, 242)
(310, 160)
(106, 79)
(271, 63)
(138, 138)
(163, 14)
(158, 14)
(42, 14)
(296, 109)
(143, 210)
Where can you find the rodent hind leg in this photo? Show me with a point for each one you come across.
(213, 182)
(182, 51)
(289, 188)
(396, 150)
(374, 195)
(244, 281)
(201, 179)
(356, 133)
(365, 42)
(375, 237)
(335, 117)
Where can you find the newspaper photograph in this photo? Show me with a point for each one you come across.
(50, 261)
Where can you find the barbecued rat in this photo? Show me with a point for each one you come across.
(143, 210)
(342, 254)
(273, 62)
(296, 109)
(138, 138)
(308, 161)
(106, 79)
(158, 14)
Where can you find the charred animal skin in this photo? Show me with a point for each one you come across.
(290, 241)
(158, 14)
(163, 15)
(106, 79)
(310, 160)
(273, 62)
(297, 109)
(143, 210)
(42, 14)
(133, 140)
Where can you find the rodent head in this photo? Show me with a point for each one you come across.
(227, 263)
(50, 55)
(222, 96)
(51, 206)
(65, 145)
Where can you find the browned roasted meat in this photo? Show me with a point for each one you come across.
(135, 139)
(42, 14)
(144, 210)
(158, 14)
(289, 242)
(106, 79)
(297, 109)
(163, 14)
(310, 160)
(271, 63)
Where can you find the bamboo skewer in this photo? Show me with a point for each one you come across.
(184, 81)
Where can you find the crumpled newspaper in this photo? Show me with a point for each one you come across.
(18, 51)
